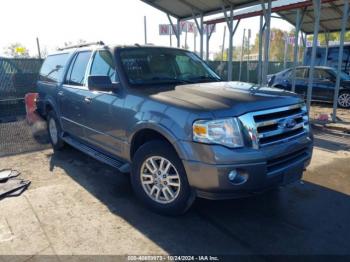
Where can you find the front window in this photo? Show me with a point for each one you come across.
(164, 65)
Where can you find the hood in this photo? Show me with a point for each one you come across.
(225, 99)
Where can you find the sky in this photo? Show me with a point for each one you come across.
(112, 21)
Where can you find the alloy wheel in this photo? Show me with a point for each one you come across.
(160, 179)
(344, 100)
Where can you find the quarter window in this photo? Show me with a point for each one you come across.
(52, 68)
(321, 74)
(103, 65)
(76, 72)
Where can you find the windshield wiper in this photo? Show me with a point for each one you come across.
(177, 80)
(206, 78)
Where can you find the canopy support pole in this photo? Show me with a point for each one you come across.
(200, 31)
(178, 33)
(317, 14)
(327, 47)
(285, 53)
(298, 23)
(175, 29)
(261, 30)
(210, 30)
(223, 44)
(340, 58)
(267, 14)
(231, 32)
(241, 58)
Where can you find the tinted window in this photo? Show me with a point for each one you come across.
(164, 65)
(300, 72)
(103, 65)
(52, 68)
(188, 66)
(321, 74)
(76, 72)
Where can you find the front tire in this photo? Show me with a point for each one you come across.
(159, 179)
(344, 99)
(54, 130)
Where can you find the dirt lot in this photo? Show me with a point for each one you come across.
(76, 205)
(320, 109)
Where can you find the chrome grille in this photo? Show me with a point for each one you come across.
(276, 125)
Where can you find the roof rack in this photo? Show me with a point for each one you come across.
(82, 45)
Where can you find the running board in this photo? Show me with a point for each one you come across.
(121, 166)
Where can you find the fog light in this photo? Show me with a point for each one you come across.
(236, 178)
(232, 175)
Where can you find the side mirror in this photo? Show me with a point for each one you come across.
(101, 83)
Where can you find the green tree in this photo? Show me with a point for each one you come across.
(16, 50)
(335, 36)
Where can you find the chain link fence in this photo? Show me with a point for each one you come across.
(17, 77)
(249, 72)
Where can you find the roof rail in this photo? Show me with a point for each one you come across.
(81, 45)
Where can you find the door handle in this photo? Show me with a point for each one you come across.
(60, 93)
(87, 99)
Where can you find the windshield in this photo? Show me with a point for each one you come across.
(343, 74)
(164, 65)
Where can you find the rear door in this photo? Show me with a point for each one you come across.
(72, 93)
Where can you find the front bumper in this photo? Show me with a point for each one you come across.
(266, 168)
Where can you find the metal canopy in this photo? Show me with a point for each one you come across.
(184, 9)
(330, 20)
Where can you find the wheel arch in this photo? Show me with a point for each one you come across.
(146, 132)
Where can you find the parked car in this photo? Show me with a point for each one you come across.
(165, 116)
(323, 86)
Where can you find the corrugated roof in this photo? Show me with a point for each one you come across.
(330, 21)
(257, 10)
(182, 9)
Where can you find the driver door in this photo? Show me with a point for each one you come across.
(102, 109)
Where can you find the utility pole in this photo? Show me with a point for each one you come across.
(38, 46)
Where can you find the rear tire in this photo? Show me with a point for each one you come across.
(159, 179)
(344, 99)
(55, 131)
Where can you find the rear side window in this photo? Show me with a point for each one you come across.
(77, 70)
(52, 68)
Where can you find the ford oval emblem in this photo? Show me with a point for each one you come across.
(287, 123)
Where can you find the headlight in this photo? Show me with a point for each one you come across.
(222, 131)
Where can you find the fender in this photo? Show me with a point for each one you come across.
(167, 133)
